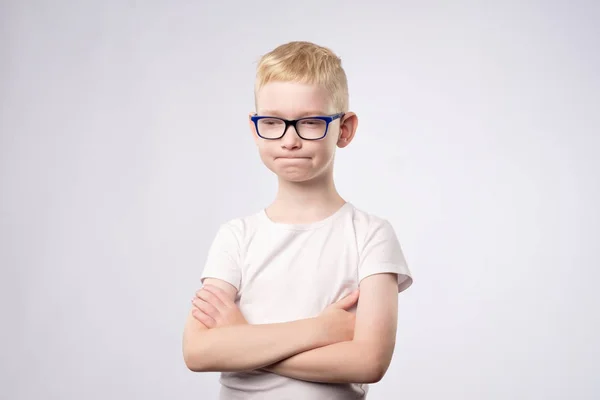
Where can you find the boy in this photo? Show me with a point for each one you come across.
(276, 314)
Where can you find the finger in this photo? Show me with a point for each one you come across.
(206, 308)
(203, 318)
(348, 301)
(209, 297)
(220, 293)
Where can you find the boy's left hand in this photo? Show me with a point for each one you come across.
(215, 309)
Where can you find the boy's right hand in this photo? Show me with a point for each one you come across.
(215, 308)
(339, 322)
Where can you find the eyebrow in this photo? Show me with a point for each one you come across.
(302, 115)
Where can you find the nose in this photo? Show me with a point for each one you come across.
(290, 139)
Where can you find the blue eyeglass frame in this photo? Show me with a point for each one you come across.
(327, 118)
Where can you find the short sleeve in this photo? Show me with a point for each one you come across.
(223, 260)
(382, 253)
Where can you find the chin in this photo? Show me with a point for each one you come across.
(292, 177)
(295, 174)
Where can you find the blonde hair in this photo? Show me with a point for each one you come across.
(305, 62)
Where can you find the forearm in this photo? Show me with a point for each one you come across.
(248, 347)
(344, 362)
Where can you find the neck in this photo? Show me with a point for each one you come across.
(305, 202)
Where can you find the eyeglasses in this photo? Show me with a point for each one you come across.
(309, 128)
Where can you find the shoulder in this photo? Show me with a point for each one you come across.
(379, 248)
(366, 224)
(227, 250)
(240, 229)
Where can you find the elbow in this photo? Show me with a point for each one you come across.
(375, 360)
(191, 362)
(376, 374)
(375, 370)
(195, 359)
(373, 374)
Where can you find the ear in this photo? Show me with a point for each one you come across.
(348, 125)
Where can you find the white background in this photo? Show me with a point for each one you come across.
(124, 144)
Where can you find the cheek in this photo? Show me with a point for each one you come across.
(265, 152)
(327, 150)
(262, 145)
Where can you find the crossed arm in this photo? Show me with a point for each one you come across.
(314, 349)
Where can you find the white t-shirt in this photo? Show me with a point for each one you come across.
(287, 272)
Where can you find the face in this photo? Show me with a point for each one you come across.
(292, 158)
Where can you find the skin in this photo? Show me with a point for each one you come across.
(345, 349)
(230, 344)
(306, 188)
